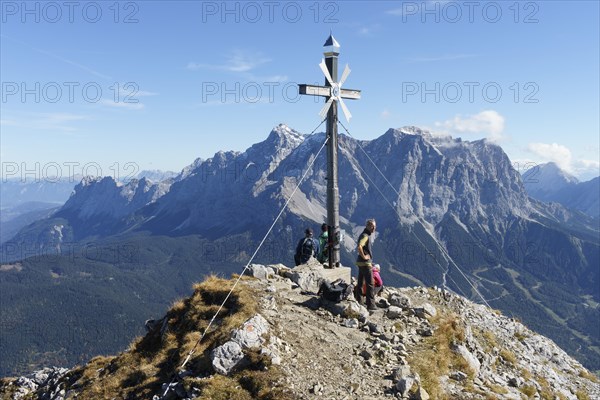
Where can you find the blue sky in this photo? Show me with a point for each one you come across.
(134, 85)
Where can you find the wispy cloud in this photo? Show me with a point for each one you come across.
(122, 104)
(412, 8)
(238, 61)
(487, 123)
(60, 58)
(446, 57)
(368, 30)
(242, 64)
(143, 93)
(45, 121)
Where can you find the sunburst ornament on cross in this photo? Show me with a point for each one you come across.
(334, 94)
(332, 89)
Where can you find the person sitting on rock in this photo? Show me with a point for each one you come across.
(307, 247)
(377, 282)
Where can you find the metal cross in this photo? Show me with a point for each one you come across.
(334, 93)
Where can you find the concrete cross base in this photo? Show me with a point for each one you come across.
(331, 275)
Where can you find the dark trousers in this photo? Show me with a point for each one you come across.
(365, 276)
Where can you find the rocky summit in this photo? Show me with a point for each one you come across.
(276, 338)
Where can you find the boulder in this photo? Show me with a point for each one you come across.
(260, 271)
(399, 300)
(473, 362)
(406, 382)
(458, 376)
(227, 357)
(394, 312)
(307, 276)
(424, 311)
(382, 303)
(351, 323)
(249, 336)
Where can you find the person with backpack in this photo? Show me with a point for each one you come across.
(323, 256)
(364, 262)
(307, 247)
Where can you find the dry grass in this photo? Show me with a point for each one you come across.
(546, 392)
(436, 358)
(489, 340)
(498, 389)
(581, 395)
(588, 375)
(508, 356)
(528, 390)
(520, 336)
(6, 389)
(139, 372)
(526, 374)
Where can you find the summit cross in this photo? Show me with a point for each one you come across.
(334, 94)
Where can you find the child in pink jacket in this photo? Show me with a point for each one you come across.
(377, 282)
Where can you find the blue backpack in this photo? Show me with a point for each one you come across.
(308, 248)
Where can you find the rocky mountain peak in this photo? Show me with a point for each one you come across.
(277, 339)
(414, 130)
(108, 198)
(548, 176)
(281, 141)
(284, 131)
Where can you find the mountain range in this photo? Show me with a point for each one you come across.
(548, 183)
(450, 213)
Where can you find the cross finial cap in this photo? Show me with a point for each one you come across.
(331, 42)
(332, 47)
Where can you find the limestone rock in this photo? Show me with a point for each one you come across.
(425, 310)
(473, 362)
(227, 357)
(260, 271)
(307, 276)
(250, 335)
(394, 312)
(399, 300)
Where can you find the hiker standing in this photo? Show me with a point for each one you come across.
(364, 262)
(307, 247)
(323, 256)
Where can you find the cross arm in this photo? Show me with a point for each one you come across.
(314, 90)
(325, 91)
(351, 94)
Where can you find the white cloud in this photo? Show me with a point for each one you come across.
(563, 157)
(554, 152)
(586, 168)
(385, 114)
(489, 123)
